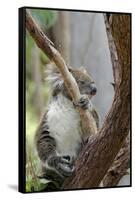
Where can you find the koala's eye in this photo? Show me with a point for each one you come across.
(82, 82)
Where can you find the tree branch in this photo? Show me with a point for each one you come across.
(98, 155)
(119, 167)
(48, 48)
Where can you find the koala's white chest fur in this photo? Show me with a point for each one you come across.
(64, 125)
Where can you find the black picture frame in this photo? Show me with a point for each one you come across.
(22, 97)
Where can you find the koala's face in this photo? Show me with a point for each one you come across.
(87, 87)
(85, 82)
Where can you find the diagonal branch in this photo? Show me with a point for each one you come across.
(48, 48)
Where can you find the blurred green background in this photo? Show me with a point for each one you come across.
(37, 95)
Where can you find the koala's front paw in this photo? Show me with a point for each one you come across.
(83, 102)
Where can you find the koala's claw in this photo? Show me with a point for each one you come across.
(66, 170)
(64, 160)
(67, 158)
(66, 165)
(63, 164)
(83, 102)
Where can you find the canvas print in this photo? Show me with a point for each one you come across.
(74, 99)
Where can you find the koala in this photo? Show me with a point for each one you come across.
(59, 137)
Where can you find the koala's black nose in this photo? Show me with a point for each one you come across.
(93, 90)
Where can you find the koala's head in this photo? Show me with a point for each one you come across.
(85, 82)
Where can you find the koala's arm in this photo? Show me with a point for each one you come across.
(46, 148)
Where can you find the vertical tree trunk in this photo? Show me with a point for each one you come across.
(98, 155)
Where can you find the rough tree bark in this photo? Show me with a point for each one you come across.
(119, 167)
(98, 154)
(121, 162)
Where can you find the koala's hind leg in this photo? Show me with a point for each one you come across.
(46, 148)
